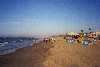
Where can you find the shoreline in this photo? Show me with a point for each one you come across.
(59, 54)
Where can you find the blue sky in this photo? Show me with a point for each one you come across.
(32, 17)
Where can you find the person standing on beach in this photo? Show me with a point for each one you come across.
(94, 41)
(46, 40)
(52, 40)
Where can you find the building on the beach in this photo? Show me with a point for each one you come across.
(72, 33)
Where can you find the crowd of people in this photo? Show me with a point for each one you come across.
(49, 40)
(82, 39)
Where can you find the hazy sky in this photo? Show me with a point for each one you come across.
(31, 17)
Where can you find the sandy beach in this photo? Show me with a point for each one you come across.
(59, 54)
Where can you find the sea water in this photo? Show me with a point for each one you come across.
(10, 45)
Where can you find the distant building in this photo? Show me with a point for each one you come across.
(72, 33)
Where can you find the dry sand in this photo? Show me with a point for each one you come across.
(59, 54)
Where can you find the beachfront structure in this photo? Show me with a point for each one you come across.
(72, 33)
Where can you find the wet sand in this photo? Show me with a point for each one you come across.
(59, 54)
